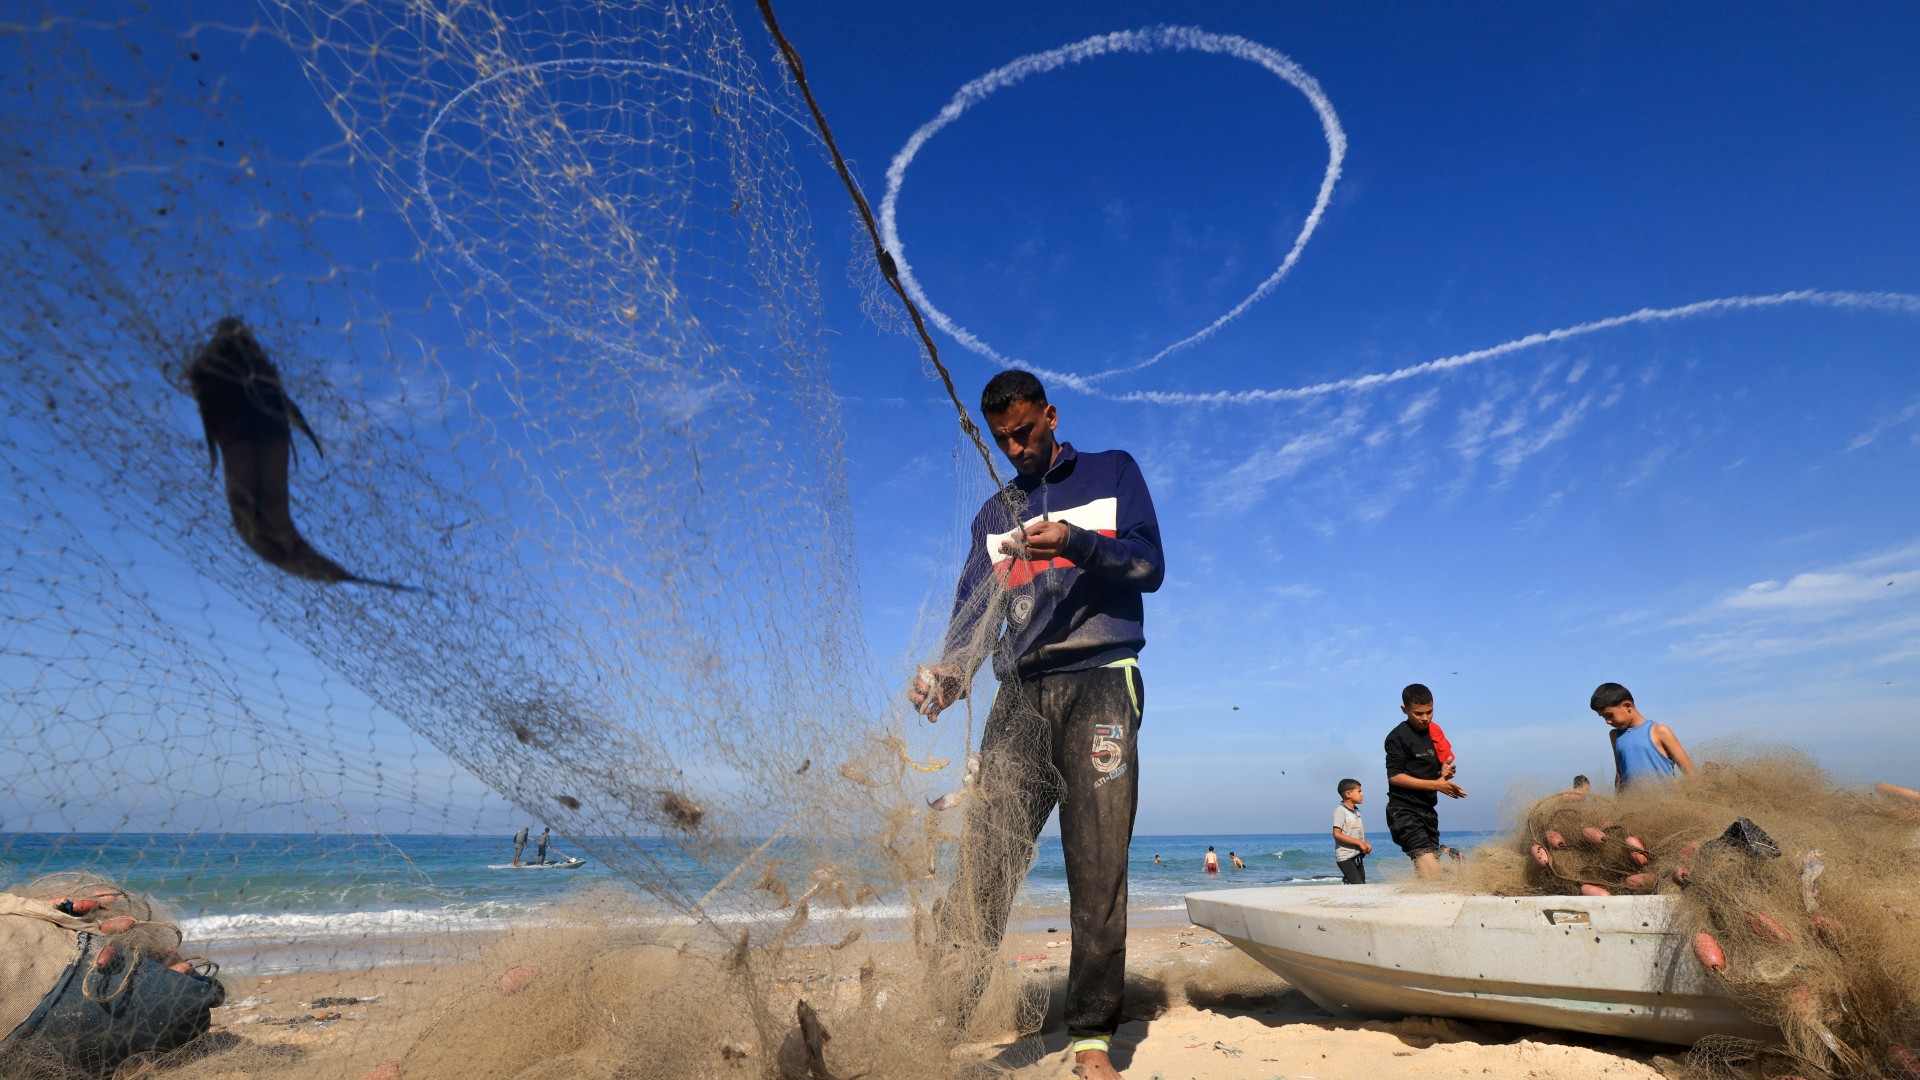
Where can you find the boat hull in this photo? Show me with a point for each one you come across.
(1603, 965)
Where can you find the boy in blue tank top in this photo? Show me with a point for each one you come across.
(1641, 748)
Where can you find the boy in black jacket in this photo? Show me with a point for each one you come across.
(1416, 778)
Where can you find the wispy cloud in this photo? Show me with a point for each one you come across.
(1522, 445)
(1512, 425)
(1545, 510)
(1417, 409)
(1826, 592)
(1866, 606)
(1882, 641)
(1361, 462)
(681, 402)
(1646, 467)
(1470, 436)
(1248, 482)
(1880, 427)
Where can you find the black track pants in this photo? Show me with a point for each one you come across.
(1068, 739)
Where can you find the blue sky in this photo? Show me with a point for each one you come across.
(1719, 512)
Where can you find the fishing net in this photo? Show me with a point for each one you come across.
(417, 422)
(94, 978)
(1796, 893)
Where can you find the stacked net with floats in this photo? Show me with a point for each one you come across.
(1793, 893)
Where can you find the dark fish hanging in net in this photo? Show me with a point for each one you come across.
(249, 421)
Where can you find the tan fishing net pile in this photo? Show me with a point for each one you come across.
(1802, 896)
(135, 923)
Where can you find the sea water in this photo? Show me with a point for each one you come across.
(1304, 859)
(237, 891)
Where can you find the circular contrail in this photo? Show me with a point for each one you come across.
(1190, 39)
(1150, 40)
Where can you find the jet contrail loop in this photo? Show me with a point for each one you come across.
(1191, 39)
(1150, 40)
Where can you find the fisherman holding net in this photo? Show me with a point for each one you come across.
(1055, 594)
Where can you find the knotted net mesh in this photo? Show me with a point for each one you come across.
(416, 424)
(1791, 891)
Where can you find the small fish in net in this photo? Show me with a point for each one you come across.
(803, 1056)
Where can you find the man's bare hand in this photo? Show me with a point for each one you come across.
(1043, 540)
(933, 689)
(1447, 771)
(1451, 790)
(1366, 848)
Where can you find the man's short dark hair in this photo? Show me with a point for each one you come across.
(1609, 694)
(1582, 781)
(1416, 694)
(1346, 785)
(1008, 387)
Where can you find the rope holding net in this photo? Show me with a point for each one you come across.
(889, 271)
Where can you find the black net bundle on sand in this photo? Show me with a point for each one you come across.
(93, 983)
(1801, 896)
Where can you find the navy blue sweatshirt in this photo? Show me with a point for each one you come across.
(1067, 614)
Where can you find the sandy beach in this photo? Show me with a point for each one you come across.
(1198, 1010)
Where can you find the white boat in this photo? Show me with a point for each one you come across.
(567, 862)
(1605, 965)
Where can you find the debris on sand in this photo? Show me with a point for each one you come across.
(518, 978)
